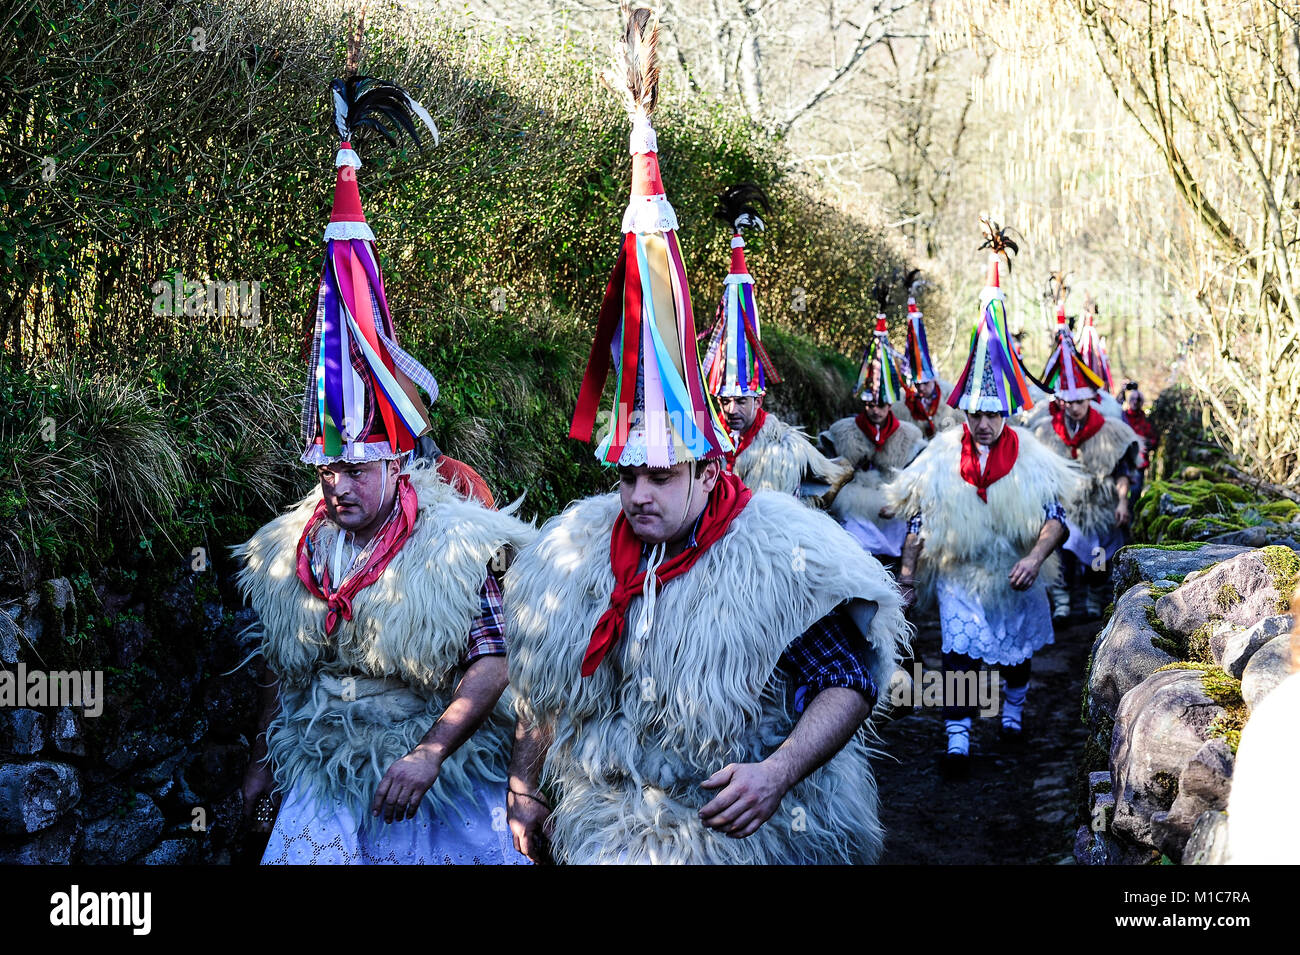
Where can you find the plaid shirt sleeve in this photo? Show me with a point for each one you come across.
(487, 636)
(1053, 512)
(829, 653)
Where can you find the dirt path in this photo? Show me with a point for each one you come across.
(1015, 806)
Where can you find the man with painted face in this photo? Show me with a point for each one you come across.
(672, 709)
(1108, 451)
(878, 445)
(768, 454)
(382, 736)
(984, 510)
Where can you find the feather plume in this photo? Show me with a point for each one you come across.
(364, 105)
(880, 292)
(738, 206)
(913, 282)
(633, 75)
(996, 238)
(1056, 290)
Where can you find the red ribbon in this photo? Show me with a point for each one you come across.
(728, 499)
(1002, 457)
(877, 435)
(923, 409)
(1091, 425)
(746, 439)
(390, 542)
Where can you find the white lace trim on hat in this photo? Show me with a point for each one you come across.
(369, 451)
(649, 214)
(347, 157)
(643, 138)
(986, 403)
(349, 230)
(738, 278)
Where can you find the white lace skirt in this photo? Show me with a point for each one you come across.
(308, 832)
(1006, 634)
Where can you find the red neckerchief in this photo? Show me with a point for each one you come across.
(390, 541)
(876, 435)
(918, 407)
(1002, 457)
(746, 439)
(728, 499)
(1089, 427)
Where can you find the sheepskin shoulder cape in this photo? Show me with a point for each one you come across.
(779, 458)
(970, 541)
(669, 707)
(354, 702)
(945, 416)
(848, 441)
(1093, 506)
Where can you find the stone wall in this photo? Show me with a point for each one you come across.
(1198, 636)
(151, 772)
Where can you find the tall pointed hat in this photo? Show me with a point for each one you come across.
(361, 403)
(736, 364)
(662, 413)
(879, 378)
(994, 379)
(1091, 348)
(920, 366)
(1065, 373)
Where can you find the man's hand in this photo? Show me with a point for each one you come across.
(1024, 574)
(258, 782)
(751, 794)
(528, 815)
(887, 513)
(1122, 515)
(403, 787)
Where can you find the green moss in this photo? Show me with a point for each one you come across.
(1158, 592)
(1103, 787)
(1284, 565)
(1172, 643)
(1228, 727)
(1227, 597)
(1187, 545)
(1198, 643)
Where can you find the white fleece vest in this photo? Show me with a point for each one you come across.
(1093, 505)
(632, 743)
(779, 457)
(353, 703)
(968, 540)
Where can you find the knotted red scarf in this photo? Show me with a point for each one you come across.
(746, 439)
(390, 541)
(1002, 457)
(1091, 425)
(728, 499)
(880, 435)
(923, 409)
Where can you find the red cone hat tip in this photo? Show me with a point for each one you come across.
(646, 180)
(992, 280)
(738, 266)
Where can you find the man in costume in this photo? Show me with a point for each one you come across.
(1136, 418)
(923, 404)
(383, 735)
(769, 454)
(878, 445)
(671, 707)
(985, 515)
(1107, 449)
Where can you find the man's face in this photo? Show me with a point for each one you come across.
(1133, 400)
(877, 414)
(740, 412)
(925, 389)
(661, 504)
(1077, 411)
(985, 426)
(358, 494)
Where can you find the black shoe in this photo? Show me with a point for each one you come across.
(1011, 737)
(955, 765)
